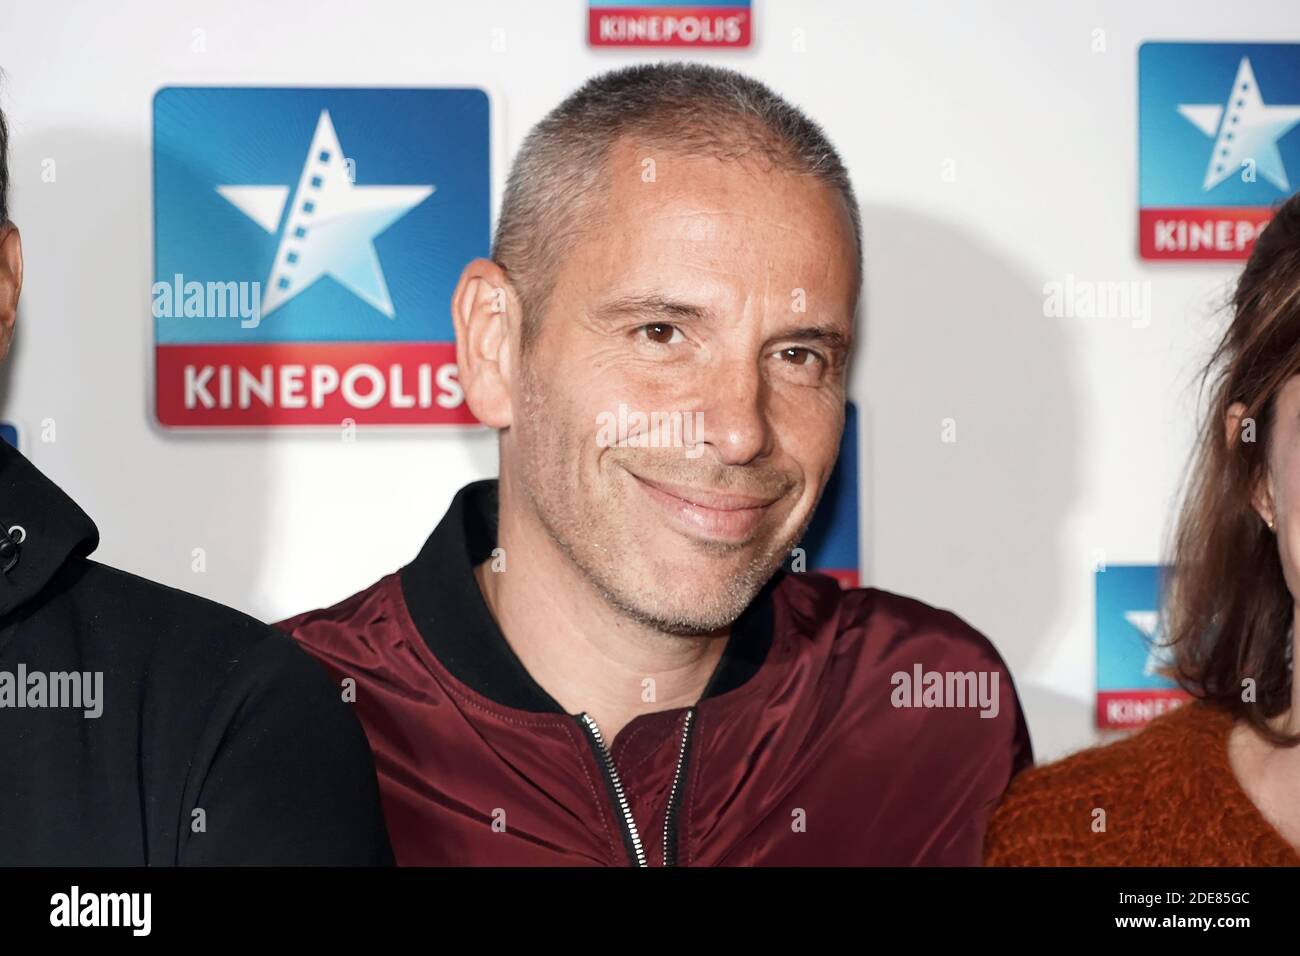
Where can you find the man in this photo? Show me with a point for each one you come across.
(140, 725)
(595, 659)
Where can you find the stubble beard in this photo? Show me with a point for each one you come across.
(603, 552)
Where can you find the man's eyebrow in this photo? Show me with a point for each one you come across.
(831, 338)
(662, 307)
(651, 305)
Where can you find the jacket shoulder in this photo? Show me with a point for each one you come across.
(193, 652)
(199, 647)
(925, 669)
(121, 603)
(919, 622)
(326, 626)
(901, 625)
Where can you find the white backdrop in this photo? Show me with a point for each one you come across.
(993, 152)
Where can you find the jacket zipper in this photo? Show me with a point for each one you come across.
(631, 836)
(675, 795)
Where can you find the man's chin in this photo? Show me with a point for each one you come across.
(682, 621)
(694, 599)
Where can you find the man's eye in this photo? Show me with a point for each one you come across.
(661, 333)
(798, 356)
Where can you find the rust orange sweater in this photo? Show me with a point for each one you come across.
(1169, 796)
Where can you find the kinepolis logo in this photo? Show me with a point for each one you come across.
(1131, 651)
(665, 23)
(306, 245)
(1218, 144)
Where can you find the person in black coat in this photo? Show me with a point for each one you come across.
(140, 725)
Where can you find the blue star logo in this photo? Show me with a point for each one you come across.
(330, 227)
(1244, 129)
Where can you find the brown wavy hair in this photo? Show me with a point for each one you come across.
(1228, 612)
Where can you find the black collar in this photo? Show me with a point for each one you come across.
(53, 530)
(448, 608)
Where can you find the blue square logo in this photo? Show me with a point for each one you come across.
(1219, 144)
(306, 245)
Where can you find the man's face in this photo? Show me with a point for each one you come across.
(716, 301)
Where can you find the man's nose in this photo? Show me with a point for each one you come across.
(735, 413)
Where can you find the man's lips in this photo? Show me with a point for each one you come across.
(722, 515)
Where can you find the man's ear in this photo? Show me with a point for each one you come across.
(486, 314)
(1238, 428)
(11, 282)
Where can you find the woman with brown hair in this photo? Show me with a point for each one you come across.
(1217, 781)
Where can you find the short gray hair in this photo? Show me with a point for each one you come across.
(689, 107)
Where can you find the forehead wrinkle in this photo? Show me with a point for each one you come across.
(704, 217)
(712, 248)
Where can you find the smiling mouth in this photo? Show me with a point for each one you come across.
(715, 515)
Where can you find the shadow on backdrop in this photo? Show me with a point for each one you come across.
(971, 449)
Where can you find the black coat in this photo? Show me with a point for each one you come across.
(217, 740)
